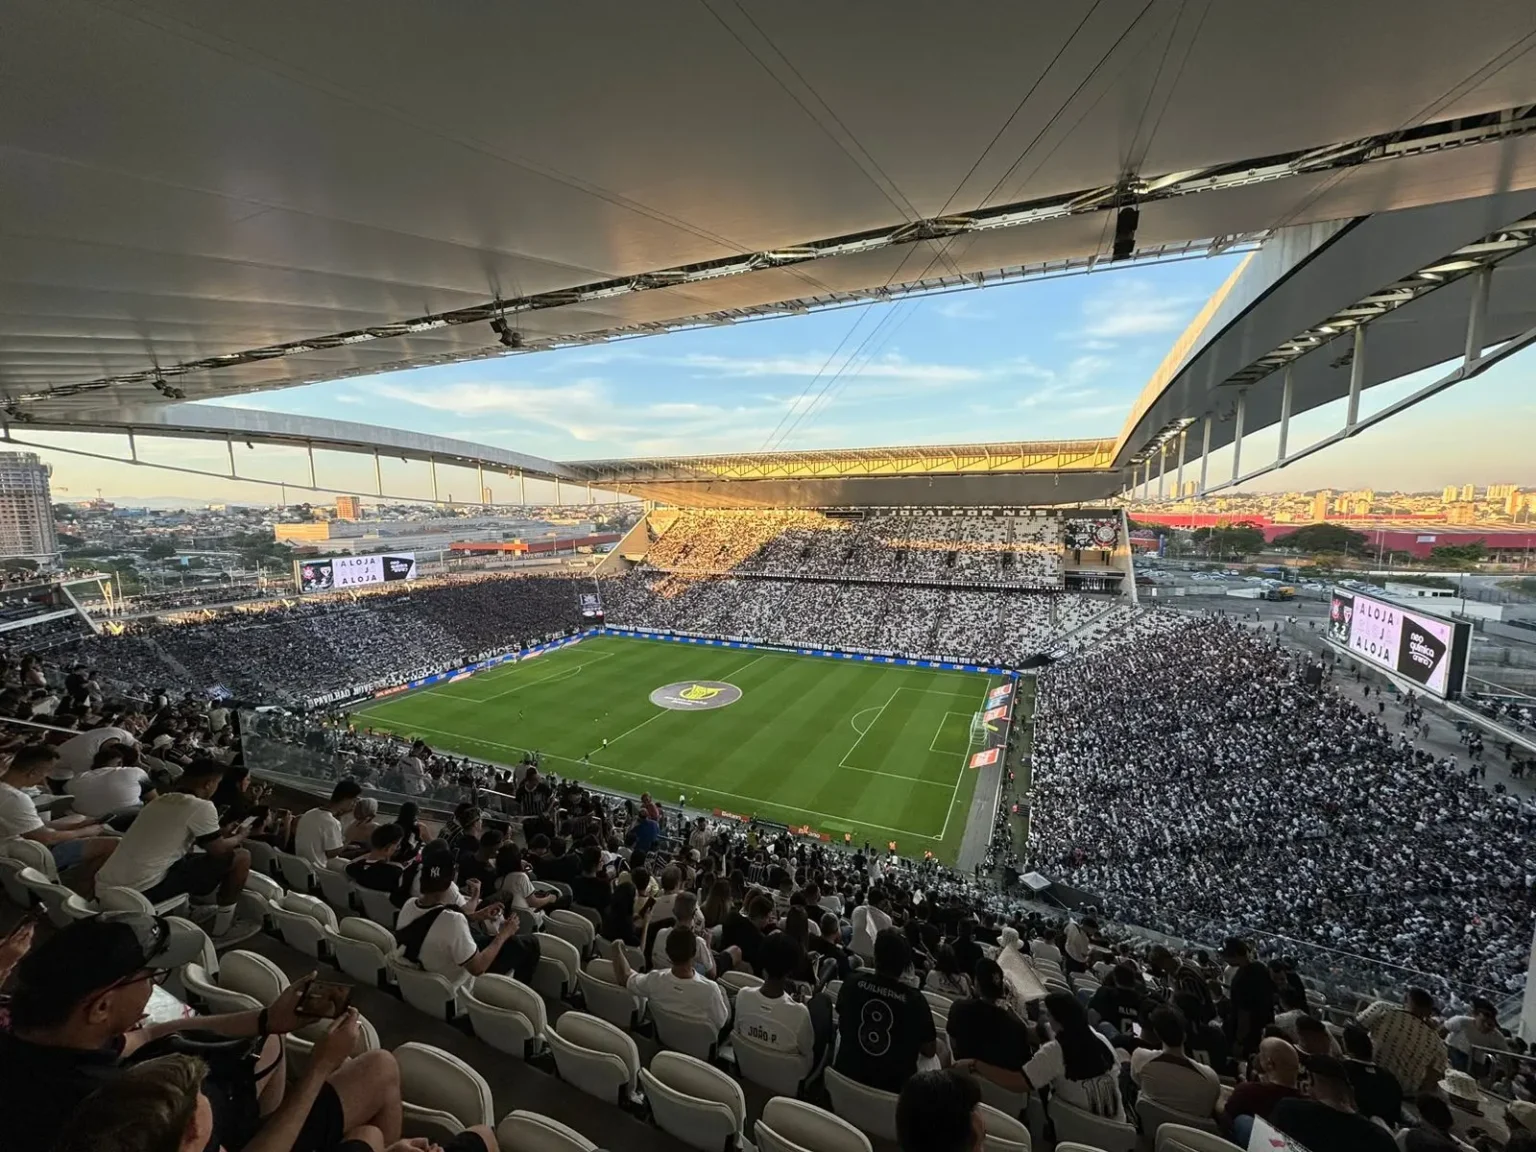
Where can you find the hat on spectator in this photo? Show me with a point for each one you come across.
(1523, 1113)
(93, 954)
(436, 875)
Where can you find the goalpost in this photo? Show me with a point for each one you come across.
(978, 730)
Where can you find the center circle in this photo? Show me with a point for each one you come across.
(695, 695)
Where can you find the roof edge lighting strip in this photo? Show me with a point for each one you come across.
(1437, 137)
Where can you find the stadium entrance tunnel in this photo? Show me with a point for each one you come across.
(695, 695)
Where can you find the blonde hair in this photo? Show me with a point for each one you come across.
(147, 1108)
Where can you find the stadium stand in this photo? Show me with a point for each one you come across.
(1279, 828)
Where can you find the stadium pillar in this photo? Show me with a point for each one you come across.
(557, 491)
(1205, 452)
(378, 476)
(522, 488)
(1178, 477)
(229, 442)
(311, 447)
(480, 480)
(1477, 313)
(1356, 380)
(432, 465)
(1285, 414)
(1162, 469)
(1237, 434)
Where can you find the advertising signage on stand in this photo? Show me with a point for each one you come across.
(1429, 652)
(328, 573)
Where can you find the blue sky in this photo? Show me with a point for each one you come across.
(1041, 360)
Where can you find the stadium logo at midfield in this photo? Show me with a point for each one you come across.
(696, 695)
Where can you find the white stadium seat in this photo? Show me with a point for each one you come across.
(595, 1056)
(694, 1101)
(507, 1014)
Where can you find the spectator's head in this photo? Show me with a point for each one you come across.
(157, 1106)
(671, 878)
(1160, 960)
(621, 907)
(830, 928)
(344, 796)
(490, 842)
(436, 875)
(591, 860)
(893, 955)
(385, 838)
(937, 1112)
(1331, 1084)
(471, 823)
(1123, 975)
(682, 945)
(779, 956)
(1292, 999)
(89, 982)
(990, 984)
(201, 778)
(365, 810)
(1168, 1026)
(109, 755)
(759, 909)
(1278, 1061)
(1419, 1002)
(1235, 951)
(686, 905)
(1485, 1013)
(1357, 1043)
(31, 764)
(1312, 1036)
(408, 816)
(509, 859)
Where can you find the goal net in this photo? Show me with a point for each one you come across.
(978, 730)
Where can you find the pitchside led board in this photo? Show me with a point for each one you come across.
(328, 573)
(1424, 650)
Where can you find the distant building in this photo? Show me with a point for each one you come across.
(1449, 495)
(1514, 501)
(1462, 513)
(1362, 508)
(1500, 491)
(485, 496)
(1320, 506)
(349, 508)
(1189, 488)
(1468, 492)
(26, 507)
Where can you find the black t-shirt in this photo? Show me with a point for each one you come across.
(591, 891)
(747, 936)
(1208, 1045)
(1253, 991)
(1377, 1092)
(379, 875)
(981, 1030)
(884, 1025)
(40, 1088)
(1117, 1007)
(563, 869)
(1325, 1129)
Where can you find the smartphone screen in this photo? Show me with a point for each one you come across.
(325, 1000)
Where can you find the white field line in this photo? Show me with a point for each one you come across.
(843, 763)
(596, 656)
(964, 758)
(940, 732)
(853, 720)
(655, 779)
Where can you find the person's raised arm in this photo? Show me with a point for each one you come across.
(280, 1131)
(481, 961)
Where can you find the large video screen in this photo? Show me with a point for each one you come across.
(327, 573)
(1423, 649)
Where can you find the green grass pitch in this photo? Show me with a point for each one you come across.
(878, 751)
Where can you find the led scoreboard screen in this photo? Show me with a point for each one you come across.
(1425, 650)
(328, 573)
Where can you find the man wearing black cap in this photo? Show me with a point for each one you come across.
(435, 933)
(75, 1022)
(1329, 1121)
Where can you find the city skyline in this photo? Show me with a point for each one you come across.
(1056, 359)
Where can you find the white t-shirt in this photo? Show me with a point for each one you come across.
(663, 908)
(1193, 1089)
(76, 753)
(1099, 1095)
(448, 944)
(697, 996)
(777, 1022)
(102, 791)
(162, 834)
(18, 815)
(868, 922)
(318, 832)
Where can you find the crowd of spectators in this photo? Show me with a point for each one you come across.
(1201, 780)
(293, 651)
(1017, 549)
(999, 626)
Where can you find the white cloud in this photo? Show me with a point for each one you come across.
(1129, 308)
(962, 307)
(888, 367)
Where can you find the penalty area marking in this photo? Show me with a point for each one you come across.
(940, 732)
(854, 720)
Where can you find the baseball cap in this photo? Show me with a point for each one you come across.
(436, 874)
(90, 955)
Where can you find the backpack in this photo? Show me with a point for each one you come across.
(414, 935)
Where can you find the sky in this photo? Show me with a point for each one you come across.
(1040, 360)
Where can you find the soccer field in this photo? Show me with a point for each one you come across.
(878, 751)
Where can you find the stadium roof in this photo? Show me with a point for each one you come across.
(201, 199)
